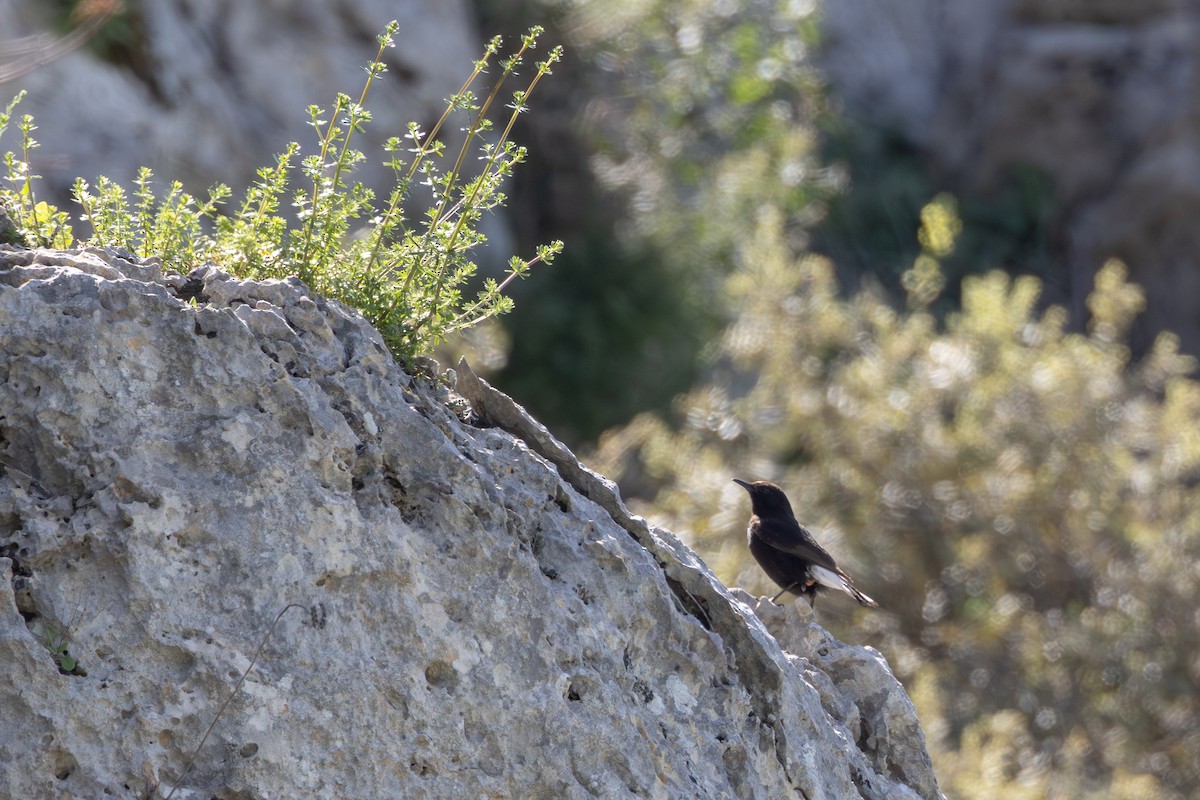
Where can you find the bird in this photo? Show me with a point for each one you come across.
(787, 552)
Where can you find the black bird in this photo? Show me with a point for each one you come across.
(787, 552)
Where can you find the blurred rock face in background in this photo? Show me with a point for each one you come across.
(1101, 97)
(207, 92)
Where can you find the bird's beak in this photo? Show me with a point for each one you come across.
(742, 484)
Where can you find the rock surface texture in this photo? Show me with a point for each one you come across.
(475, 615)
(1101, 96)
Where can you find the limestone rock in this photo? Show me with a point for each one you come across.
(466, 613)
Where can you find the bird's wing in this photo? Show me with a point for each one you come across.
(794, 539)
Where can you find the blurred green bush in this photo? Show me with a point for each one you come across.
(1020, 499)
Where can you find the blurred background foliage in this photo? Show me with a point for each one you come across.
(867, 229)
(1014, 489)
(668, 126)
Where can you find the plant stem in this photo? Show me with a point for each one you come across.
(519, 105)
(422, 149)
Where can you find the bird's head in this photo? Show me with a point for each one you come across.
(766, 497)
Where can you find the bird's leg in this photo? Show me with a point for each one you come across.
(787, 589)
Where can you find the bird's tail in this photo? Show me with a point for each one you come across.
(837, 580)
(863, 599)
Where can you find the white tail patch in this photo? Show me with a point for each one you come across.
(827, 577)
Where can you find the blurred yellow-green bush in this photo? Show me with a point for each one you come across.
(1018, 497)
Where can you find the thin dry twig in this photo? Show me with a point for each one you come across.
(221, 710)
(38, 50)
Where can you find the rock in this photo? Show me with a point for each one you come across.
(8, 229)
(249, 487)
(857, 685)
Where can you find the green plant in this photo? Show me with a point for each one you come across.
(39, 223)
(57, 638)
(171, 227)
(408, 278)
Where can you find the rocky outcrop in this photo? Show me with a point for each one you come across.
(1100, 96)
(466, 612)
